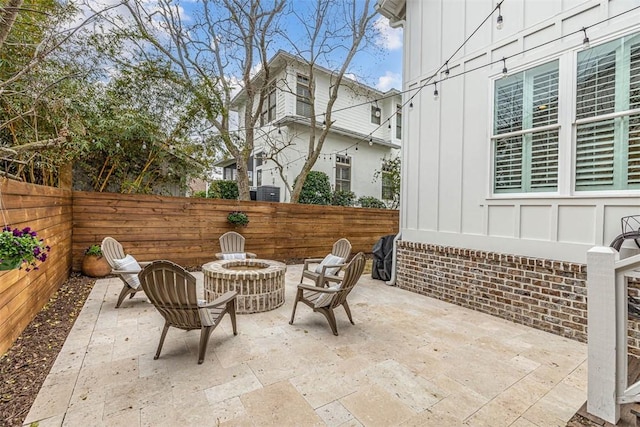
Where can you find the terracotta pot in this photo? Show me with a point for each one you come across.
(95, 266)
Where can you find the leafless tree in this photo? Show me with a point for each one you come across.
(211, 53)
(334, 32)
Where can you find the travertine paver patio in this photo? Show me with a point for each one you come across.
(409, 360)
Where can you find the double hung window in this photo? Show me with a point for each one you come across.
(303, 99)
(525, 131)
(343, 173)
(608, 116)
(269, 106)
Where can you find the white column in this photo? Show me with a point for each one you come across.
(602, 336)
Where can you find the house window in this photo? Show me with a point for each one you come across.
(343, 173)
(399, 122)
(259, 177)
(259, 158)
(303, 100)
(525, 130)
(375, 114)
(269, 106)
(387, 182)
(608, 116)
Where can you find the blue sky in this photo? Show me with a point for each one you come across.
(379, 64)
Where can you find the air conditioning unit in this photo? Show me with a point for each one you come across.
(268, 193)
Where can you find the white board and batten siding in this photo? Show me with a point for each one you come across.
(447, 196)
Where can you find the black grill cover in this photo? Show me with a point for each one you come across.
(383, 258)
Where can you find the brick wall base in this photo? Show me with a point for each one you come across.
(544, 294)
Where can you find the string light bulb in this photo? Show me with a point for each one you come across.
(411, 103)
(436, 94)
(585, 41)
(446, 70)
(370, 142)
(499, 21)
(504, 66)
(279, 131)
(144, 145)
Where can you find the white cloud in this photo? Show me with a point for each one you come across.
(388, 81)
(387, 38)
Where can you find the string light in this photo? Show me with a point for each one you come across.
(144, 145)
(585, 41)
(499, 22)
(447, 70)
(436, 95)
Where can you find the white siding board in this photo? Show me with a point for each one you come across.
(581, 19)
(502, 221)
(450, 181)
(414, 20)
(429, 162)
(535, 222)
(475, 148)
(540, 10)
(540, 36)
(576, 224)
(474, 13)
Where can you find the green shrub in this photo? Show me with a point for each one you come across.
(238, 218)
(95, 250)
(224, 189)
(371, 202)
(201, 194)
(343, 198)
(316, 189)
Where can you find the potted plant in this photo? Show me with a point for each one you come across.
(18, 247)
(94, 264)
(238, 218)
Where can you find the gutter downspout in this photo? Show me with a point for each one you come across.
(394, 267)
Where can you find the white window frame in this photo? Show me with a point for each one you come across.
(300, 98)
(526, 131)
(343, 162)
(620, 175)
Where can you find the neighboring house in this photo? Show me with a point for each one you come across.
(520, 167)
(367, 129)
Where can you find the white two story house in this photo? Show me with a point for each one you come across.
(366, 130)
(529, 156)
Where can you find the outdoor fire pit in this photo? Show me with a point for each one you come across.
(259, 283)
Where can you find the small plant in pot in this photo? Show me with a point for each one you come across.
(238, 218)
(94, 264)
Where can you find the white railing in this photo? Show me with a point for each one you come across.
(607, 314)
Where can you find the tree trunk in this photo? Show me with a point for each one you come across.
(8, 16)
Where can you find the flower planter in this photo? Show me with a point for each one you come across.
(95, 266)
(10, 264)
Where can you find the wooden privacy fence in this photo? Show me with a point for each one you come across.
(186, 230)
(48, 211)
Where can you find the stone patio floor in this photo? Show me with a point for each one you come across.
(408, 361)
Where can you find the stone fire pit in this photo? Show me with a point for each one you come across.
(259, 283)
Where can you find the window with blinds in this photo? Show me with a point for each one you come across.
(526, 131)
(343, 173)
(303, 99)
(608, 116)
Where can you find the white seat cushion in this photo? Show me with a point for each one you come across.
(241, 255)
(129, 263)
(330, 260)
(326, 299)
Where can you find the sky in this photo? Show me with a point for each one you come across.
(378, 65)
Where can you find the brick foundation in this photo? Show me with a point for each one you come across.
(545, 294)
